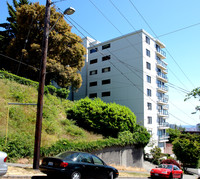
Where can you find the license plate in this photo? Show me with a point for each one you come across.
(50, 163)
(156, 174)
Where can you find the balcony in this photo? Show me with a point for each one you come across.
(161, 64)
(164, 125)
(166, 106)
(163, 100)
(160, 43)
(163, 138)
(161, 53)
(163, 113)
(162, 77)
(162, 88)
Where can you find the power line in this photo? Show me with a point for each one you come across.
(18, 61)
(132, 82)
(158, 38)
(187, 27)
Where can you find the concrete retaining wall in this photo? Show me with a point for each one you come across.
(123, 156)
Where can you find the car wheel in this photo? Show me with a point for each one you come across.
(181, 176)
(75, 175)
(170, 176)
(110, 175)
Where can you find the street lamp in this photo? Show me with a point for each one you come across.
(38, 128)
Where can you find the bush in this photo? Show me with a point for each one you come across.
(125, 138)
(156, 154)
(49, 89)
(171, 161)
(100, 117)
(17, 147)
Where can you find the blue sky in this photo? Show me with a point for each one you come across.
(162, 17)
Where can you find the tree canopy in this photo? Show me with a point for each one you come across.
(196, 94)
(10, 27)
(186, 147)
(65, 51)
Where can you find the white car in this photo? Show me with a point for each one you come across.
(3, 165)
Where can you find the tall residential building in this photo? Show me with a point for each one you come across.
(130, 70)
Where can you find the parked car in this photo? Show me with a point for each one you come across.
(77, 165)
(3, 165)
(166, 171)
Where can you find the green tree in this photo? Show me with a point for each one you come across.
(186, 147)
(65, 52)
(196, 94)
(173, 134)
(104, 118)
(10, 28)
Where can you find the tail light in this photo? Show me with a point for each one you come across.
(5, 159)
(64, 164)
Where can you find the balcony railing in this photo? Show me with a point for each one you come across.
(163, 137)
(162, 75)
(166, 106)
(163, 99)
(163, 87)
(163, 112)
(161, 63)
(163, 124)
(160, 51)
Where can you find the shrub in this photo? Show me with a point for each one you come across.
(100, 117)
(156, 154)
(17, 147)
(171, 161)
(49, 89)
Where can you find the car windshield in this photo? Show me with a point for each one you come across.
(72, 156)
(165, 166)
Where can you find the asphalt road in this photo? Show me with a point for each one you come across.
(184, 177)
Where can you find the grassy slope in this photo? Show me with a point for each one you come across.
(22, 118)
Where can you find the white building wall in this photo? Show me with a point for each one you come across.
(128, 76)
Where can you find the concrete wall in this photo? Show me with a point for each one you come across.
(122, 156)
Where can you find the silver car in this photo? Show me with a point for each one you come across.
(3, 165)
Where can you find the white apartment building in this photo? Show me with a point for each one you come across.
(130, 70)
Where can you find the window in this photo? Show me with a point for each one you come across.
(148, 53)
(104, 94)
(148, 92)
(150, 132)
(105, 46)
(92, 95)
(86, 158)
(106, 58)
(97, 161)
(148, 65)
(148, 79)
(149, 120)
(149, 106)
(105, 82)
(93, 72)
(104, 70)
(94, 83)
(147, 40)
(93, 50)
(93, 61)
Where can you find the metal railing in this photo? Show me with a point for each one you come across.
(161, 63)
(162, 75)
(163, 87)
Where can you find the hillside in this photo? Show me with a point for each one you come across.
(21, 118)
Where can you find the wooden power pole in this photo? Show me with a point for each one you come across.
(38, 128)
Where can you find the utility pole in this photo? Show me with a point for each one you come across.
(38, 128)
